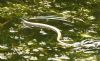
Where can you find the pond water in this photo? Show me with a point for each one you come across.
(40, 44)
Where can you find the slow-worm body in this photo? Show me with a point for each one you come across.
(30, 24)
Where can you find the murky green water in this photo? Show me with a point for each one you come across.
(77, 20)
(38, 44)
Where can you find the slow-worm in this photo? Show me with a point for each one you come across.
(31, 24)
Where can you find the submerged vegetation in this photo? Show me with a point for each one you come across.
(78, 21)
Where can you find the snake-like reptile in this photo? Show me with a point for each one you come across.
(31, 24)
